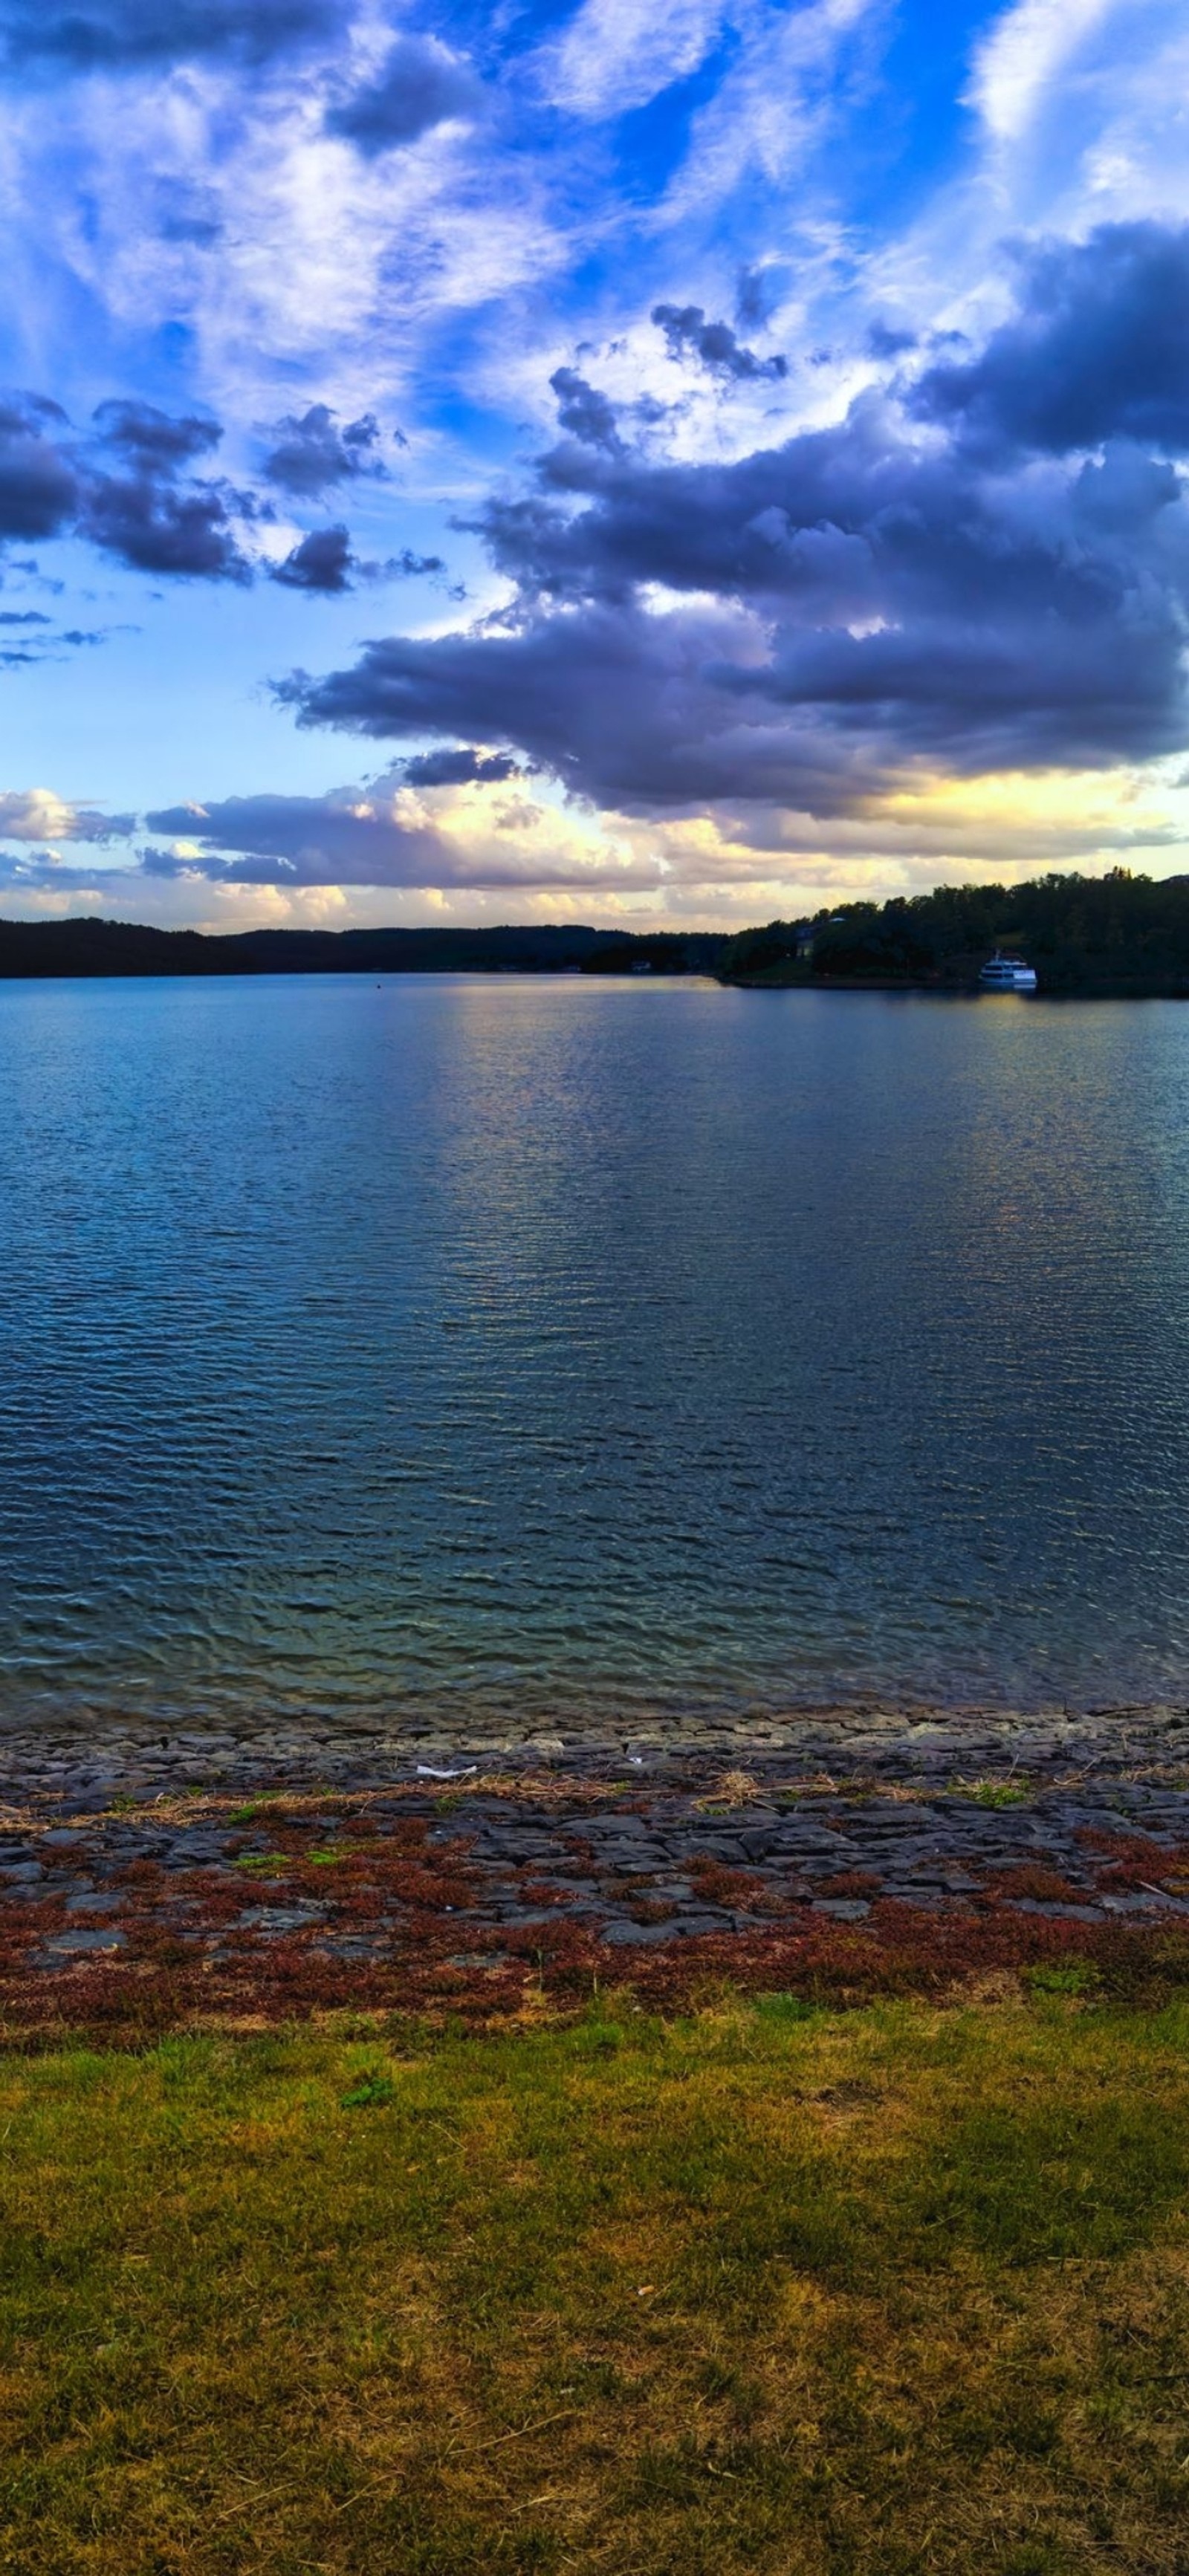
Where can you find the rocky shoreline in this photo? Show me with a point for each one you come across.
(147, 1879)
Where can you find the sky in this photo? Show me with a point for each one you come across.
(676, 462)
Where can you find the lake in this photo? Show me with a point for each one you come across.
(578, 1348)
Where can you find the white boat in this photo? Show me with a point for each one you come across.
(1007, 975)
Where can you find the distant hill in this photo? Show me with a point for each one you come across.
(1113, 934)
(94, 947)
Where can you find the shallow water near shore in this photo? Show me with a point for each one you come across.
(580, 1349)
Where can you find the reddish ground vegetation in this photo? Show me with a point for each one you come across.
(160, 1982)
(1031, 1883)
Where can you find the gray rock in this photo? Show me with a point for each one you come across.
(281, 1918)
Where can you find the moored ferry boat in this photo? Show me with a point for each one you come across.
(1007, 975)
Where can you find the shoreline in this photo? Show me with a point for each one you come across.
(85, 1757)
(237, 1880)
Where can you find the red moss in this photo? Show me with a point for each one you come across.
(1031, 1882)
(900, 1950)
(737, 1891)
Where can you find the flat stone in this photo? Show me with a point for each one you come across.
(281, 1918)
(635, 1936)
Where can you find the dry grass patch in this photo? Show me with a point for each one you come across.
(768, 2289)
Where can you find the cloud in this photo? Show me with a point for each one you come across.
(121, 487)
(584, 411)
(760, 290)
(312, 452)
(1027, 49)
(154, 528)
(689, 335)
(154, 441)
(885, 340)
(38, 482)
(463, 767)
(617, 54)
(421, 85)
(37, 814)
(301, 839)
(324, 562)
(408, 566)
(807, 621)
(134, 35)
(141, 513)
(380, 836)
(1098, 349)
(622, 705)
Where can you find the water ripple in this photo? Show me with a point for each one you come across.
(562, 1347)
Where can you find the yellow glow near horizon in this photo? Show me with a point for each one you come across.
(1082, 801)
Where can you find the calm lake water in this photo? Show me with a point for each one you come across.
(572, 1347)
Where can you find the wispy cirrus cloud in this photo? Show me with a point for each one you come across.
(1025, 51)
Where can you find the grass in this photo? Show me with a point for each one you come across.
(770, 2288)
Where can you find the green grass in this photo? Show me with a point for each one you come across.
(771, 2289)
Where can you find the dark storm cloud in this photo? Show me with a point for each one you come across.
(130, 35)
(461, 768)
(855, 600)
(142, 511)
(152, 527)
(422, 84)
(38, 482)
(153, 441)
(125, 486)
(628, 709)
(688, 334)
(586, 413)
(312, 452)
(324, 562)
(1099, 349)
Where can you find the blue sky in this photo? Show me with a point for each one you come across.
(677, 462)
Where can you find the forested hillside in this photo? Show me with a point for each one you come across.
(1113, 934)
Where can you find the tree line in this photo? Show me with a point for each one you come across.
(1116, 933)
